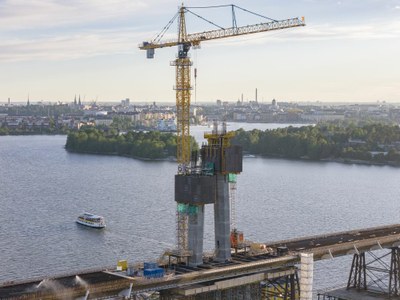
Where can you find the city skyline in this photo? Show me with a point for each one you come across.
(348, 51)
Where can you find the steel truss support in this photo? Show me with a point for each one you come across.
(357, 277)
(394, 277)
(380, 274)
(285, 288)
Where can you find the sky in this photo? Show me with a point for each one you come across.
(52, 50)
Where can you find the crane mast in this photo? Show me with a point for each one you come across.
(190, 211)
(182, 72)
(183, 87)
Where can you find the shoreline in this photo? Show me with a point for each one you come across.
(325, 160)
(346, 161)
(335, 160)
(120, 155)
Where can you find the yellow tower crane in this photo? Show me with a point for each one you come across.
(183, 76)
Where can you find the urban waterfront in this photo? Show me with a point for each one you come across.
(44, 188)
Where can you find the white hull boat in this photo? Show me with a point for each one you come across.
(91, 220)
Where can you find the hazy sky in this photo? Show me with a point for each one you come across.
(54, 49)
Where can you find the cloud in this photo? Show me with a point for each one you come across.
(62, 30)
(67, 47)
(383, 30)
(97, 42)
(40, 14)
(59, 29)
(322, 32)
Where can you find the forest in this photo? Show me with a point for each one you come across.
(146, 145)
(377, 143)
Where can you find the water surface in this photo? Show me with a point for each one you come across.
(44, 188)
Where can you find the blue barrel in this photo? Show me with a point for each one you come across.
(150, 265)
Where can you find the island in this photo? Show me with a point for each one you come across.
(136, 144)
(373, 143)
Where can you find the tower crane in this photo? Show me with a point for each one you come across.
(185, 41)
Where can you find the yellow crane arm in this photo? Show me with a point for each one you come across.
(194, 39)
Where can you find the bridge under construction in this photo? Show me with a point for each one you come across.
(269, 273)
(238, 269)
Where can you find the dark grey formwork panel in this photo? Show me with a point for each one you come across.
(232, 162)
(211, 154)
(233, 159)
(195, 189)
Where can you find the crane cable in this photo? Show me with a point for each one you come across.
(195, 76)
(200, 17)
(233, 6)
(161, 34)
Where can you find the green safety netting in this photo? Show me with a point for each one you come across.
(232, 177)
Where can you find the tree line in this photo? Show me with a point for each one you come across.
(23, 129)
(370, 142)
(149, 145)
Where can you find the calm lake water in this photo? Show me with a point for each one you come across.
(43, 189)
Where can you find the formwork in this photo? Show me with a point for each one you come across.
(195, 189)
(224, 159)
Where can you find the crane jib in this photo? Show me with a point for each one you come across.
(195, 38)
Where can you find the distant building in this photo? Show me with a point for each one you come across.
(125, 102)
(274, 104)
(320, 116)
(166, 125)
(103, 122)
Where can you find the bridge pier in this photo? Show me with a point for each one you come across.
(222, 220)
(306, 275)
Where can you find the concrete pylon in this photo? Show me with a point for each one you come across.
(195, 236)
(306, 275)
(222, 219)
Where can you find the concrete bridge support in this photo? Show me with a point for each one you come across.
(222, 220)
(195, 236)
(306, 275)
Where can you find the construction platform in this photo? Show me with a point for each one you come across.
(208, 276)
(352, 294)
(101, 284)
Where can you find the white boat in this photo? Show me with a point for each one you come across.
(91, 220)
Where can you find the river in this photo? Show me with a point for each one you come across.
(43, 188)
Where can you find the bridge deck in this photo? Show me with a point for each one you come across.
(338, 243)
(242, 264)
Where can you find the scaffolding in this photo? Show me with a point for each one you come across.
(232, 198)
